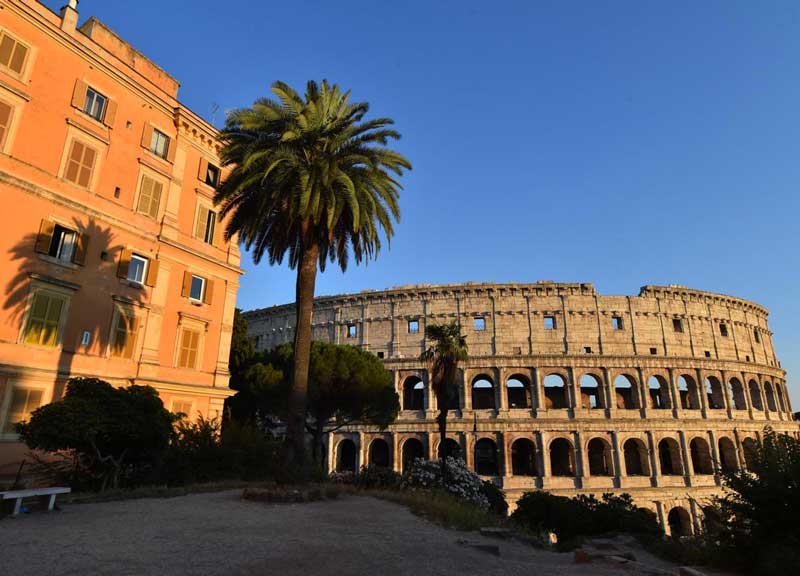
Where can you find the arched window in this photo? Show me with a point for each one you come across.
(755, 395)
(727, 455)
(413, 394)
(701, 456)
(737, 394)
(453, 449)
(346, 456)
(379, 453)
(750, 449)
(555, 391)
(412, 449)
(482, 393)
(523, 458)
(591, 392)
(770, 397)
(636, 461)
(562, 458)
(687, 390)
(779, 392)
(680, 523)
(486, 457)
(600, 463)
(714, 395)
(625, 392)
(659, 392)
(519, 392)
(669, 457)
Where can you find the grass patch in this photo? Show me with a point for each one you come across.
(155, 492)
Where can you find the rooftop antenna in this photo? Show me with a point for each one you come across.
(214, 110)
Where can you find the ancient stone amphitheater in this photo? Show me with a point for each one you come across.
(565, 389)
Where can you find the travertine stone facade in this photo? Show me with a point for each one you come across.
(566, 389)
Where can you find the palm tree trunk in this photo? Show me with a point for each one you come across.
(295, 426)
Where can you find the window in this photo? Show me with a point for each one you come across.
(653, 351)
(5, 122)
(212, 175)
(204, 228)
(23, 401)
(190, 342)
(13, 53)
(197, 288)
(380, 355)
(708, 353)
(723, 329)
(80, 164)
(479, 324)
(549, 322)
(159, 143)
(616, 322)
(95, 104)
(44, 319)
(587, 349)
(123, 343)
(183, 407)
(757, 336)
(137, 269)
(747, 358)
(413, 326)
(62, 243)
(149, 197)
(352, 331)
(677, 325)
(518, 350)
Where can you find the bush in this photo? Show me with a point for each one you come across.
(461, 482)
(376, 477)
(496, 497)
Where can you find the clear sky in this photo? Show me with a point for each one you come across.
(618, 143)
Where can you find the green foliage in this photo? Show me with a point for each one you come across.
(376, 477)
(496, 497)
(572, 519)
(243, 351)
(440, 507)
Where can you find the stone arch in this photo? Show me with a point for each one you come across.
(518, 389)
(591, 387)
(669, 457)
(658, 389)
(770, 396)
(380, 454)
(486, 458)
(736, 391)
(727, 455)
(411, 450)
(701, 456)
(779, 394)
(601, 462)
(625, 395)
(413, 393)
(346, 455)
(483, 393)
(687, 390)
(562, 457)
(755, 395)
(523, 458)
(750, 450)
(714, 396)
(637, 462)
(555, 391)
(454, 449)
(680, 522)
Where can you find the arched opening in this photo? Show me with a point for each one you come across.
(755, 395)
(562, 458)
(482, 393)
(781, 402)
(687, 390)
(453, 449)
(727, 455)
(519, 392)
(659, 392)
(680, 523)
(486, 458)
(555, 391)
(737, 394)
(600, 463)
(750, 449)
(714, 396)
(523, 458)
(669, 457)
(412, 449)
(346, 456)
(625, 392)
(591, 392)
(413, 394)
(701, 456)
(379, 453)
(636, 461)
(770, 395)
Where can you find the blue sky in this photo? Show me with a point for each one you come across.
(618, 143)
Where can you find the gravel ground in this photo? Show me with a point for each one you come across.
(218, 533)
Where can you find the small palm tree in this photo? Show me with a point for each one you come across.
(313, 180)
(448, 348)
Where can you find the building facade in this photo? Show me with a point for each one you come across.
(565, 389)
(114, 262)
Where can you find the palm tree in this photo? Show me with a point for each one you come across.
(448, 348)
(313, 180)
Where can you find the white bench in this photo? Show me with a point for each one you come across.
(49, 493)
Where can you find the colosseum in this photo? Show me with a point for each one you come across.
(565, 389)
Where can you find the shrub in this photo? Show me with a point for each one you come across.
(461, 482)
(496, 497)
(377, 477)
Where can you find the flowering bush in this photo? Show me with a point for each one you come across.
(461, 482)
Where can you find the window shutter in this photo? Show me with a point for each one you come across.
(209, 292)
(81, 243)
(5, 121)
(124, 263)
(111, 114)
(147, 136)
(152, 273)
(45, 236)
(187, 283)
(79, 94)
(201, 173)
(155, 201)
(202, 223)
(172, 145)
(130, 339)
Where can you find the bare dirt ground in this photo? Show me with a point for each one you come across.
(217, 533)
